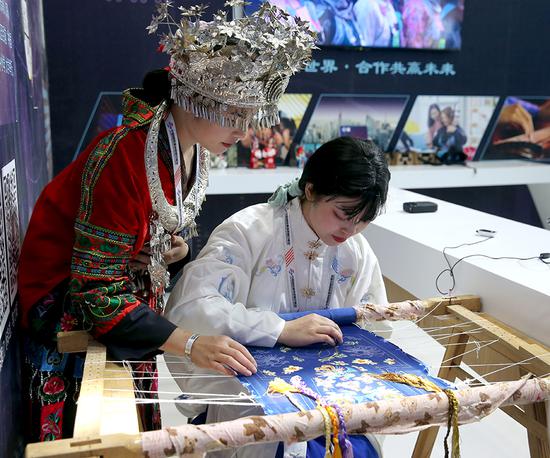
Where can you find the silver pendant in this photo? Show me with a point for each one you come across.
(158, 269)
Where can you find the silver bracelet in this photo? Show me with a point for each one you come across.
(189, 344)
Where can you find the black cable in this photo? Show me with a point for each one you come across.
(543, 258)
(450, 269)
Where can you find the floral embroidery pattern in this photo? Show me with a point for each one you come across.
(227, 288)
(51, 422)
(53, 389)
(99, 253)
(343, 274)
(68, 322)
(226, 256)
(339, 374)
(291, 369)
(52, 360)
(97, 160)
(105, 303)
(273, 265)
(136, 112)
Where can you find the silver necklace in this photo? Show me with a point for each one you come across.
(167, 219)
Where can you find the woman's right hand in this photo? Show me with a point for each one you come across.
(222, 354)
(517, 116)
(310, 329)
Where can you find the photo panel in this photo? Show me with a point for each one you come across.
(373, 117)
(522, 130)
(275, 144)
(4, 282)
(447, 123)
(11, 225)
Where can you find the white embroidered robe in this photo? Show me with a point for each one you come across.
(239, 282)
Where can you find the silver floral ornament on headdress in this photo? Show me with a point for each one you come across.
(234, 72)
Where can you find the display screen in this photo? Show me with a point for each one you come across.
(362, 116)
(441, 124)
(420, 24)
(522, 130)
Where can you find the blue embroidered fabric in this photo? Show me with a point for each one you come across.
(340, 374)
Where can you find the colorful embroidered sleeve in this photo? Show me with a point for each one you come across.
(99, 281)
(110, 228)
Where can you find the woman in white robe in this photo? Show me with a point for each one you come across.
(306, 253)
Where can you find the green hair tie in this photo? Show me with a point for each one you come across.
(281, 196)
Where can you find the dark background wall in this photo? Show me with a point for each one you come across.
(101, 45)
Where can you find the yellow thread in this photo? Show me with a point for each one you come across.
(427, 385)
(409, 379)
(328, 430)
(278, 385)
(337, 453)
(453, 416)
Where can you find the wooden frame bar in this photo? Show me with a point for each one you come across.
(106, 405)
(511, 345)
(110, 427)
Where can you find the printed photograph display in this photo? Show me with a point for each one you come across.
(446, 124)
(372, 117)
(272, 146)
(522, 130)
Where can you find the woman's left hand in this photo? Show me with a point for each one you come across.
(178, 251)
(140, 262)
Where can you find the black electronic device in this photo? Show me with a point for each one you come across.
(486, 233)
(419, 207)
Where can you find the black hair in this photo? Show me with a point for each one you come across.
(349, 167)
(156, 87)
(431, 122)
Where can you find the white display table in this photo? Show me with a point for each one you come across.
(409, 247)
(490, 173)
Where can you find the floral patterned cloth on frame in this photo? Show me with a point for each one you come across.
(339, 374)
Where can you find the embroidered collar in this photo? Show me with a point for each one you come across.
(302, 240)
(303, 236)
(135, 110)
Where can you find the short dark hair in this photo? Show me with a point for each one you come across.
(350, 167)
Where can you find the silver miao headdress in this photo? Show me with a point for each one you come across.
(233, 73)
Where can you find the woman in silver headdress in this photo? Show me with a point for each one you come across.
(103, 232)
